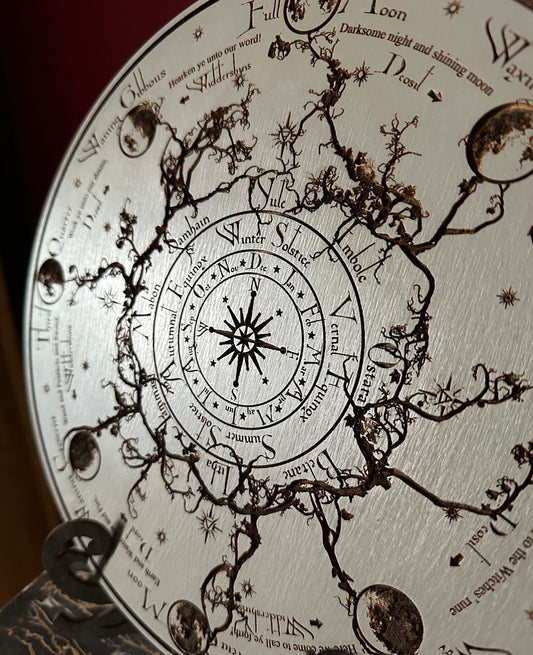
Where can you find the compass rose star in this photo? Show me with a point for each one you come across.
(244, 340)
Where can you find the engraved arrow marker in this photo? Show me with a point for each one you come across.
(456, 561)
(317, 623)
(436, 96)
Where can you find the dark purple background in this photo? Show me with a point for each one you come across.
(55, 59)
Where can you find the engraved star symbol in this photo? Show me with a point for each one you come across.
(198, 33)
(453, 8)
(208, 525)
(278, 408)
(213, 276)
(301, 382)
(243, 416)
(85, 365)
(195, 381)
(300, 294)
(311, 335)
(161, 536)
(279, 312)
(243, 262)
(213, 362)
(192, 307)
(508, 297)
(225, 299)
(247, 588)
(187, 339)
(276, 268)
(361, 74)
(215, 405)
(265, 380)
(77, 183)
(395, 376)
(452, 514)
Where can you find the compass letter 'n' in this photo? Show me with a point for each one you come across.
(508, 47)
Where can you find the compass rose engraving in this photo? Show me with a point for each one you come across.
(262, 343)
(245, 340)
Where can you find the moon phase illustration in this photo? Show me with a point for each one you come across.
(84, 455)
(188, 627)
(388, 621)
(138, 130)
(51, 281)
(500, 146)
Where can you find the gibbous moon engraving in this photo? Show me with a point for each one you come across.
(500, 145)
(188, 627)
(388, 621)
(138, 130)
(51, 281)
(84, 455)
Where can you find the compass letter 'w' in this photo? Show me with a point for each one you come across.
(508, 47)
(230, 232)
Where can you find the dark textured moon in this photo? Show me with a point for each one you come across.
(138, 130)
(388, 621)
(51, 281)
(188, 627)
(84, 455)
(306, 16)
(500, 145)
